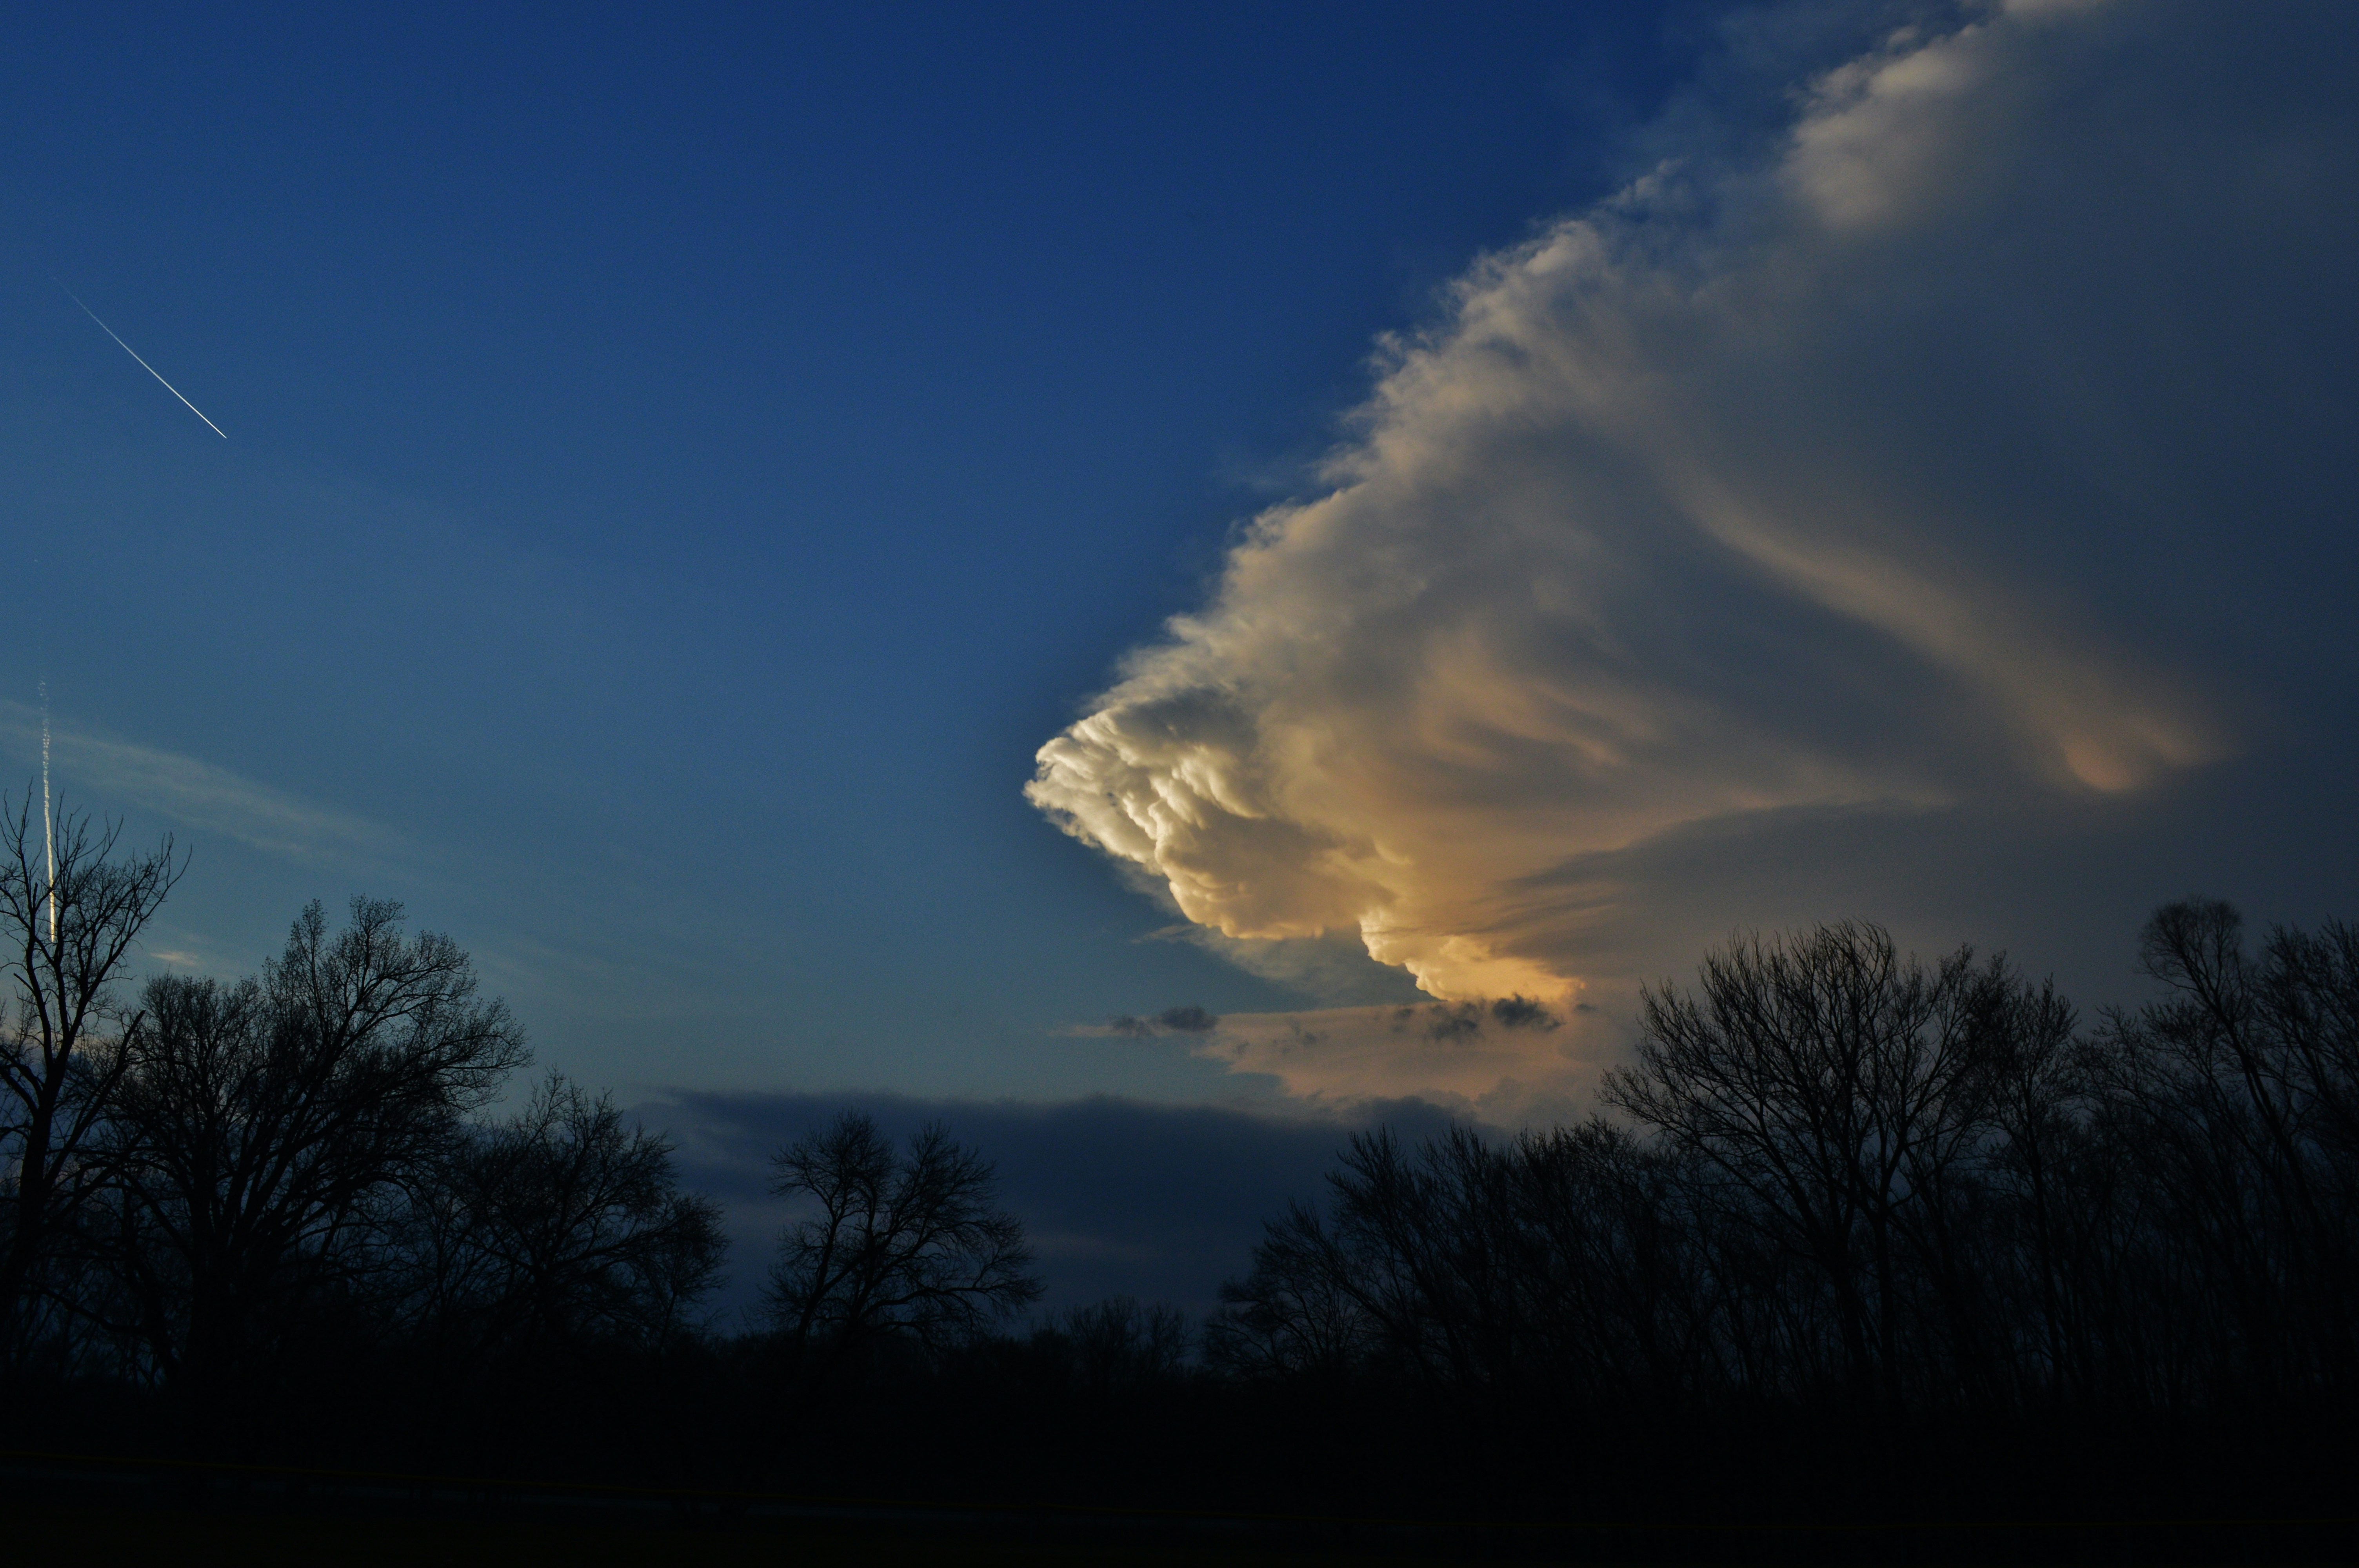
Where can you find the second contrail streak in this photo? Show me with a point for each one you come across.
(48, 818)
(151, 370)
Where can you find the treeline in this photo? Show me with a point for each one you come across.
(227, 1192)
(1859, 1233)
(1838, 1178)
(284, 1219)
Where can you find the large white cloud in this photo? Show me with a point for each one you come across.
(1924, 468)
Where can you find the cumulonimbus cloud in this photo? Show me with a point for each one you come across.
(1865, 471)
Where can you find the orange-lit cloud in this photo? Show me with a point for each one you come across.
(1821, 483)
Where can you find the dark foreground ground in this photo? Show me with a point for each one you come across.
(78, 1513)
(42, 1535)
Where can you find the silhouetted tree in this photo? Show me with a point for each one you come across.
(269, 1127)
(70, 912)
(2232, 1099)
(1557, 1264)
(1299, 1313)
(562, 1229)
(1852, 1175)
(1855, 1205)
(1115, 1348)
(1617, 1266)
(904, 1245)
(1837, 1089)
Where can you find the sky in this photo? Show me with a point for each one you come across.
(1269, 563)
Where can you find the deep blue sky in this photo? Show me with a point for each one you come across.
(682, 465)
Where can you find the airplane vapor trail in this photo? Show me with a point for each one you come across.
(151, 370)
(48, 819)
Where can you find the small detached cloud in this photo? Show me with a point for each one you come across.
(1508, 1061)
(1508, 1068)
(1187, 1020)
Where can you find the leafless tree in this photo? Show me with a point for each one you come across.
(1299, 1312)
(267, 1125)
(561, 1228)
(1435, 1247)
(1557, 1264)
(71, 913)
(1836, 1087)
(907, 1245)
(1622, 1289)
(2045, 1233)
(1854, 1174)
(1117, 1345)
(2233, 1097)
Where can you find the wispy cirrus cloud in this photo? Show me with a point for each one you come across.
(196, 793)
(1873, 473)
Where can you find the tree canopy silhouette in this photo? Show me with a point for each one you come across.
(903, 1244)
(269, 1128)
(71, 913)
(1842, 1174)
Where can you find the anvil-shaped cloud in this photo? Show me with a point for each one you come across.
(1874, 468)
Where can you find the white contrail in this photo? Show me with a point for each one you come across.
(151, 370)
(48, 819)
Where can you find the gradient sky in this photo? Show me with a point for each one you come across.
(1628, 473)
(683, 466)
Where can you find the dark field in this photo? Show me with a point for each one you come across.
(96, 1513)
(42, 1535)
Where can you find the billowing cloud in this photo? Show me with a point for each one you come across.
(1928, 464)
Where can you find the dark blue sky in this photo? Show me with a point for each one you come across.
(1118, 1197)
(682, 465)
